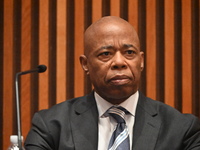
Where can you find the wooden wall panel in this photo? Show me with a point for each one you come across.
(1, 68)
(96, 10)
(151, 48)
(26, 65)
(178, 53)
(79, 50)
(195, 56)
(50, 32)
(115, 7)
(61, 51)
(8, 76)
(133, 13)
(169, 53)
(186, 56)
(44, 52)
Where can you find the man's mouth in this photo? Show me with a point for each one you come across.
(119, 80)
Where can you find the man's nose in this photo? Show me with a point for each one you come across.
(118, 61)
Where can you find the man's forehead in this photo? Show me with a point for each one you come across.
(107, 29)
(110, 31)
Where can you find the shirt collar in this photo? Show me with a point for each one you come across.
(129, 104)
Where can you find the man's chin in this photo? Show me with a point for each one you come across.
(119, 94)
(117, 99)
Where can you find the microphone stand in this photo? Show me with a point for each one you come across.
(39, 69)
(18, 111)
(18, 105)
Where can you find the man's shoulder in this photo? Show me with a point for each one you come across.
(62, 108)
(167, 112)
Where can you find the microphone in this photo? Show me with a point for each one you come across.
(39, 69)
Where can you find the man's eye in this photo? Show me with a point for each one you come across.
(105, 56)
(130, 52)
(105, 53)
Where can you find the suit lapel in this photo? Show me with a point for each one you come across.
(84, 124)
(147, 125)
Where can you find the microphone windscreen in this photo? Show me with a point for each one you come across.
(42, 68)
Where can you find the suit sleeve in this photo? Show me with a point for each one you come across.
(39, 137)
(192, 136)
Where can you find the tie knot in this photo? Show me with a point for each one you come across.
(118, 113)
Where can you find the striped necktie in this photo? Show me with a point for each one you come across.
(120, 137)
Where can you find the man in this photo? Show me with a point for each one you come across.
(114, 63)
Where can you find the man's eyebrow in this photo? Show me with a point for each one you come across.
(111, 46)
(129, 46)
(106, 47)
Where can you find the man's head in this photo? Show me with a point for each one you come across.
(112, 58)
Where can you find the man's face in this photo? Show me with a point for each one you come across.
(114, 63)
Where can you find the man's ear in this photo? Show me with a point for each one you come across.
(142, 60)
(84, 63)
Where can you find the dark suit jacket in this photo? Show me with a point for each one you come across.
(73, 125)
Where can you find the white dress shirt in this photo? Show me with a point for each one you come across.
(107, 124)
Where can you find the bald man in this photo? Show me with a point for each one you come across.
(114, 63)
